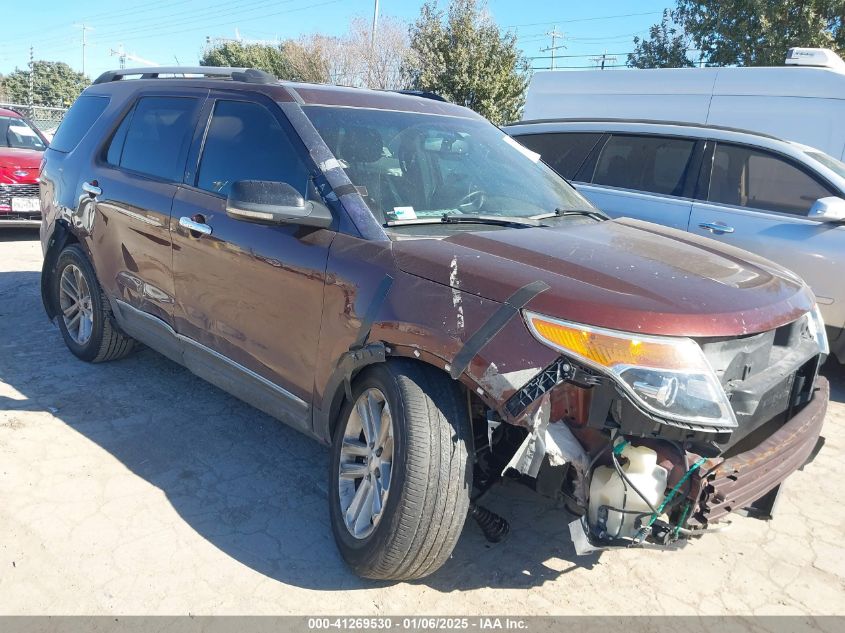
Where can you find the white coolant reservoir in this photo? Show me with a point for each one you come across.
(608, 491)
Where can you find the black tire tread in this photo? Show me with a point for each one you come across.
(113, 343)
(435, 498)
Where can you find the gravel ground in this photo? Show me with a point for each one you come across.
(135, 488)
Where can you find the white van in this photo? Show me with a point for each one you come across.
(803, 101)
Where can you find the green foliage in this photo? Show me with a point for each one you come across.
(463, 56)
(54, 84)
(666, 47)
(741, 32)
(290, 61)
(759, 32)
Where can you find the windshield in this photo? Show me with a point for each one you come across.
(410, 166)
(830, 162)
(17, 133)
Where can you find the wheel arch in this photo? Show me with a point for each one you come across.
(326, 417)
(61, 237)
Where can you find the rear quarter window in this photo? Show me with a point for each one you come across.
(78, 120)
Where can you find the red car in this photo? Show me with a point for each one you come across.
(21, 149)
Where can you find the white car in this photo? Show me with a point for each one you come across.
(782, 200)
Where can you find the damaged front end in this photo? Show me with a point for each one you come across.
(650, 439)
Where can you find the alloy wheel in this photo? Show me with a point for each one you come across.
(76, 304)
(366, 460)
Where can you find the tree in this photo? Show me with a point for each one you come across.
(666, 47)
(54, 84)
(290, 60)
(307, 60)
(463, 56)
(759, 32)
(239, 55)
(356, 59)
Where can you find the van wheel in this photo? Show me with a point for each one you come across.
(400, 471)
(85, 318)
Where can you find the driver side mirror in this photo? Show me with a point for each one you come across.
(269, 202)
(830, 209)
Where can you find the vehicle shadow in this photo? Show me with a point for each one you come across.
(835, 373)
(254, 488)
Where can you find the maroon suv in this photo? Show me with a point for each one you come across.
(394, 276)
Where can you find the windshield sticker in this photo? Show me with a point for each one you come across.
(332, 163)
(404, 213)
(532, 156)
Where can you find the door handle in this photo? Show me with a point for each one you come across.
(194, 227)
(92, 189)
(716, 227)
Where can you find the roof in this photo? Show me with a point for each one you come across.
(258, 81)
(798, 81)
(9, 112)
(654, 122)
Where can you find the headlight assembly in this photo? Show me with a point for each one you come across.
(667, 376)
(815, 324)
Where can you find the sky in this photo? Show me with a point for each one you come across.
(174, 31)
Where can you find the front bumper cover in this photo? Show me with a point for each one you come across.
(742, 479)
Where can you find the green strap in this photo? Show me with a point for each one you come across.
(683, 519)
(669, 497)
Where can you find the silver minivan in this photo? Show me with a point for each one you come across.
(782, 200)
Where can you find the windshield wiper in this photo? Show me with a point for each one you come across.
(500, 220)
(560, 213)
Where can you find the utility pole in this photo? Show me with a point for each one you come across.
(31, 76)
(554, 34)
(372, 45)
(602, 59)
(85, 30)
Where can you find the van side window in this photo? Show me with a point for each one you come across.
(746, 177)
(645, 163)
(157, 137)
(564, 152)
(246, 142)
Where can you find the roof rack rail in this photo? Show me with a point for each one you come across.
(248, 75)
(425, 94)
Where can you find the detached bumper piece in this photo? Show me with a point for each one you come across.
(742, 479)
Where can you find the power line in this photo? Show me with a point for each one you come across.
(215, 11)
(131, 35)
(590, 19)
(575, 67)
(111, 14)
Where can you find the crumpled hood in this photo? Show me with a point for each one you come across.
(19, 160)
(622, 274)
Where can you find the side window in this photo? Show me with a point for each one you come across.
(746, 177)
(157, 136)
(564, 152)
(246, 142)
(78, 120)
(645, 163)
(116, 145)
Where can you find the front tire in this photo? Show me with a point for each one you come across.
(400, 471)
(85, 318)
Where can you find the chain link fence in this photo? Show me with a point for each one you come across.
(46, 118)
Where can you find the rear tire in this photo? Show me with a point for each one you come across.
(85, 317)
(430, 472)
